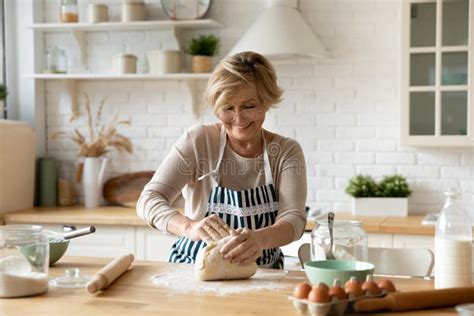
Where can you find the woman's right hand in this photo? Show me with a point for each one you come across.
(211, 228)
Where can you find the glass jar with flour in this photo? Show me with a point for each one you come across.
(453, 245)
(24, 261)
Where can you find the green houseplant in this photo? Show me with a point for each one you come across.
(3, 92)
(387, 197)
(202, 48)
(3, 96)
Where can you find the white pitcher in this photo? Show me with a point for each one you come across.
(92, 180)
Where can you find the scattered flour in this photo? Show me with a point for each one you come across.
(17, 279)
(184, 281)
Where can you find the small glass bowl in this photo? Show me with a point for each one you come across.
(465, 309)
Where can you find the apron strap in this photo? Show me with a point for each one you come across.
(215, 173)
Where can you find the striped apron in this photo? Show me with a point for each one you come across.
(253, 209)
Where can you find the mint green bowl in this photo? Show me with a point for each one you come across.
(57, 247)
(56, 250)
(328, 270)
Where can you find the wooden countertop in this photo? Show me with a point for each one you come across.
(410, 225)
(107, 215)
(134, 294)
(117, 215)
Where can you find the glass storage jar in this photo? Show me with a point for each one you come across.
(349, 241)
(69, 11)
(24, 261)
(56, 61)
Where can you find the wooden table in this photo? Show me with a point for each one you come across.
(134, 294)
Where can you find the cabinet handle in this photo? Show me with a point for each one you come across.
(68, 228)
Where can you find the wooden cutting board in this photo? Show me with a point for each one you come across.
(125, 189)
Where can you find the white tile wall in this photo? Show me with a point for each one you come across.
(344, 111)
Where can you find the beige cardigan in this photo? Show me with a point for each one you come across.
(196, 153)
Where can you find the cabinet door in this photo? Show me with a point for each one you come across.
(153, 245)
(436, 73)
(413, 241)
(380, 240)
(107, 241)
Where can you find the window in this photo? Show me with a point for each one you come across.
(3, 108)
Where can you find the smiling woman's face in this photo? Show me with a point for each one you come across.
(243, 117)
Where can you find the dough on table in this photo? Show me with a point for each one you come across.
(210, 264)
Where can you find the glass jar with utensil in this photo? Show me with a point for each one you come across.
(349, 241)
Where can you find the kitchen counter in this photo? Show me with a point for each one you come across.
(117, 215)
(409, 225)
(134, 294)
(106, 215)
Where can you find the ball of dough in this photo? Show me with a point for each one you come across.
(210, 264)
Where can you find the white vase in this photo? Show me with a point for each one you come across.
(380, 206)
(92, 180)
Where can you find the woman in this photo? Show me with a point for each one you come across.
(239, 179)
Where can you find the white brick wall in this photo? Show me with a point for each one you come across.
(344, 111)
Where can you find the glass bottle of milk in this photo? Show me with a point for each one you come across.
(453, 245)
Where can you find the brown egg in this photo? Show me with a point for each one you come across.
(353, 287)
(370, 287)
(319, 294)
(323, 285)
(337, 291)
(302, 290)
(387, 285)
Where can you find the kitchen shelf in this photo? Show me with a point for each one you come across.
(194, 81)
(79, 32)
(124, 26)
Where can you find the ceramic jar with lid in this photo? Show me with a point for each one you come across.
(164, 61)
(133, 10)
(124, 64)
(98, 13)
(24, 261)
(350, 241)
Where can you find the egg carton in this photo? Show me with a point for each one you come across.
(334, 308)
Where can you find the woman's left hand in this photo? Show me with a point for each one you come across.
(243, 247)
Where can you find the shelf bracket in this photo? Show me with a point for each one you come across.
(80, 38)
(196, 90)
(71, 88)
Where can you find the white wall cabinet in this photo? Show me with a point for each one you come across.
(375, 240)
(112, 241)
(436, 92)
(152, 244)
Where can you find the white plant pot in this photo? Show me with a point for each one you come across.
(92, 180)
(380, 206)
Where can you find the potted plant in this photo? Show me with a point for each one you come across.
(202, 48)
(3, 96)
(385, 198)
(101, 139)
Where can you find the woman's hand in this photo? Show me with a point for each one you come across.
(243, 247)
(211, 228)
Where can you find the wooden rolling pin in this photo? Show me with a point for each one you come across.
(109, 273)
(404, 301)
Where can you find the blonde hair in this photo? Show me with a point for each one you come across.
(238, 70)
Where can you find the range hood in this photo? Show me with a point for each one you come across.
(281, 32)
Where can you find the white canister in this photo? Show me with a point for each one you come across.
(124, 64)
(164, 61)
(133, 10)
(98, 13)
